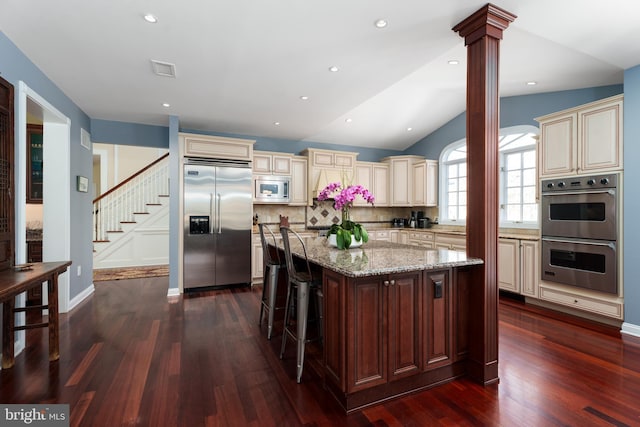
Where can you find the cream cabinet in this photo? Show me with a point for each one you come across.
(271, 163)
(424, 239)
(425, 183)
(509, 265)
(384, 235)
(196, 145)
(455, 242)
(325, 166)
(519, 266)
(582, 140)
(257, 259)
(399, 236)
(375, 178)
(298, 189)
(401, 179)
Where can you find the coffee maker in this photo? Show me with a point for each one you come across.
(412, 220)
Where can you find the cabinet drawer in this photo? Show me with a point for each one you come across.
(421, 236)
(582, 302)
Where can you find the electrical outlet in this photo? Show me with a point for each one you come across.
(79, 270)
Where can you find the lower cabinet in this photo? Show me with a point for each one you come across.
(519, 266)
(387, 328)
(454, 242)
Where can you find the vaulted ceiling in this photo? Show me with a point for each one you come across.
(244, 66)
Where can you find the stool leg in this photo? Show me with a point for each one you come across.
(273, 291)
(287, 314)
(303, 312)
(319, 308)
(264, 290)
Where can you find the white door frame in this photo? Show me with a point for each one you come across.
(56, 190)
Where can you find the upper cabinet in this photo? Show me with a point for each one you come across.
(413, 181)
(582, 140)
(298, 192)
(326, 166)
(269, 163)
(375, 178)
(217, 147)
(425, 183)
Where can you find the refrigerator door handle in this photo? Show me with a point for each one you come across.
(218, 213)
(211, 213)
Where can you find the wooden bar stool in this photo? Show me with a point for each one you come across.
(303, 284)
(272, 266)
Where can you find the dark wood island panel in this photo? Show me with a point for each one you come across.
(389, 335)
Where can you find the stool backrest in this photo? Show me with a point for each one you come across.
(267, 256)
(294, 273)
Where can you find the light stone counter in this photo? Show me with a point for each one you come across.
(379, 257)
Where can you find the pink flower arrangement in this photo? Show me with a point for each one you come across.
(346, 196)
(343, 201)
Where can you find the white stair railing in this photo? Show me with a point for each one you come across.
(130, 197)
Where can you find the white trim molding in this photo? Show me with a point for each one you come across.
(173, 292)
(86, 293)
(630, 329)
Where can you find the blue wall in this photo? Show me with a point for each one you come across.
(15, 67)
(124, 133)
(514, 111)
(631, 196)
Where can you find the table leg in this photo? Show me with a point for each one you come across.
(8, 335)
(54, 338)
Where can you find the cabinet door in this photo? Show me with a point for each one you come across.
(438, 321)
(322, 158)
(600, 136)
(257, 262)
(364, 177)
(281, 165)
(380, 188)
(509, 265)
(432, 183)
(403, 318)
(419, 193)
(366, 338)
(298, 194)
(558, 146)
(530, 267)
(261, 163)
(400, 187)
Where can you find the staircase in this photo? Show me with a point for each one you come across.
(131, 220)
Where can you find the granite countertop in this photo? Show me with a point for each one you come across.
(378, 257)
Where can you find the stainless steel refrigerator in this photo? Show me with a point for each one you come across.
(217, 223)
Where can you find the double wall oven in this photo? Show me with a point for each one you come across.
(580, 232)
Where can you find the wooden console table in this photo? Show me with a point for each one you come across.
(14, 282)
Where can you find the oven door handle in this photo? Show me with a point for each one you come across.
(610, 192)
(611, 245)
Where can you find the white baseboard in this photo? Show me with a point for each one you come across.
(173, 292)
(81, 297)
(630, 329)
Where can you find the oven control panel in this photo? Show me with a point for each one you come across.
(580, 183)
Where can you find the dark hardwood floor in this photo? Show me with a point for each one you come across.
(130, 356)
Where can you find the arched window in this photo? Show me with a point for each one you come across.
(518, 179)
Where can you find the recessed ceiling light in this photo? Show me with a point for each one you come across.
(532, 83)
(276, 123)
(348, 120)
(304, 97)
(333, 69)
(380, 23)
(453, 62)
(409, 129)
(166, 105)
(152, 19)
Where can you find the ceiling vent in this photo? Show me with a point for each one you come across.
(164, 69)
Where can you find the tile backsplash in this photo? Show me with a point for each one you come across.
(322, 214)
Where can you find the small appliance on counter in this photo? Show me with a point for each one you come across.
(398, 222)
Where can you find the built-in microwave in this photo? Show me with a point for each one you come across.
(271, 189)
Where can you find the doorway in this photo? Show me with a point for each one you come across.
(56, 195)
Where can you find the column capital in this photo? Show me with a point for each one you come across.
(489, 20)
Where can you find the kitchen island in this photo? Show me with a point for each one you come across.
(395, 318)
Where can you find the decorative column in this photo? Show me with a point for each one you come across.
(482, 32)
